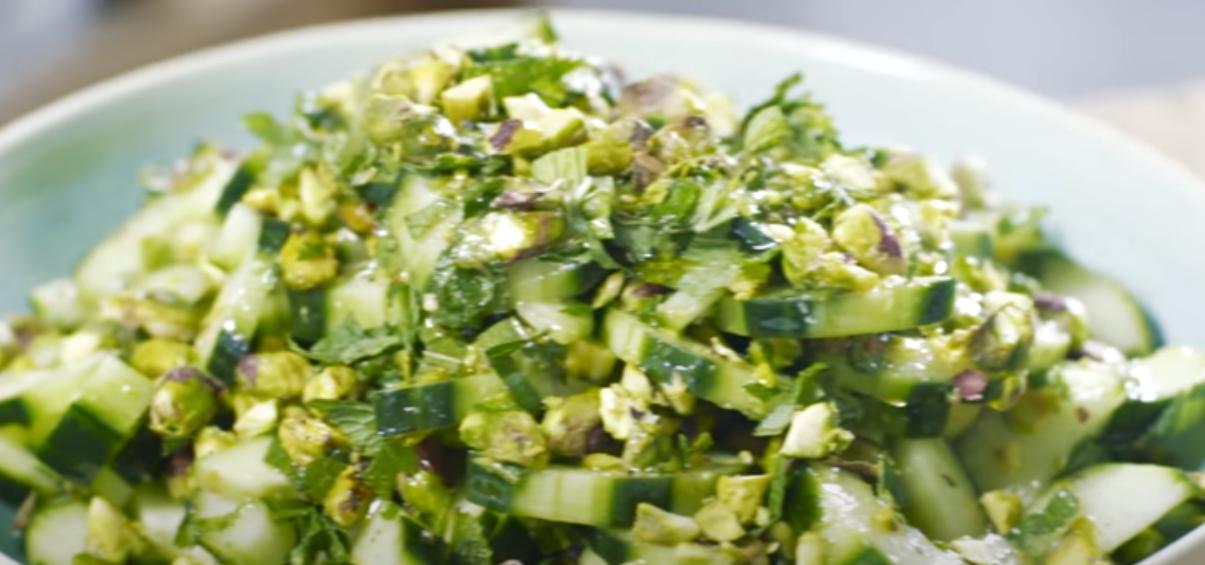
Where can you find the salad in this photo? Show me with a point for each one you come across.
(503, 304)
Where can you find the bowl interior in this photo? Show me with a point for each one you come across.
(68, 173)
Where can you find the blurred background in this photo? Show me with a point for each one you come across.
(1134, 64)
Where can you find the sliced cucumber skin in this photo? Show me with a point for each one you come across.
(1115, 315)
(21, 473)
(235, 188)
(1149, 493)
(618, 548)
(389, 537)
(852, 528)
(432, 406)
(809, 315)
(104, 416)
(667, 358)
(307, 312)
(574, 495)
(1000, 454)
(928, 471)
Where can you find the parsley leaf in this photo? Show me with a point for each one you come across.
(349, 343)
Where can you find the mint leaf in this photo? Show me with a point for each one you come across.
(356, 420)
(349, 343)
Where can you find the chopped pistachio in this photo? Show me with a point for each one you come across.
(212, 439)
(307, 261)
(304, 437)
(655, 525)
(513, 436)
(743, 494)
(184, 400)
(589, 361)
(603, 462)
(110, 536)
(1005, 336)
(809, 548)
(919, 175)
(1078, 545)
(836, 270)
(258, 419)
(276, 374)
(865, 235)
(814, 433)
(317, 189)
(719, 522)
(569, 421)
(1003, 508)
(332, 383)
(472, 99)
(348, 498)
(425, 492)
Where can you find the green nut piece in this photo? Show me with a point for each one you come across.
(348, 498)
(426, 492)
(1003, 340)
(185, 400)
(307, 261)
(513, 436)
(333, 383)
(305, 437)
(655, 525)
(569, 422)
(814, 433)
(718, 522)
(862, 232)
(1003, 508)
(276, 374)
(156, 356)
(743, 494)
(212, 439)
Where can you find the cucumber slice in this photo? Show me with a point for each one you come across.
(537, 280)
(532, 372)
(1149, 493)
(892, 368)
(390, 537)
(236, 239)
(902, 306)
(105, 414)
(576, 495)
(421, 242)
(15, 407)
(617, 548)
(855, 530)
(928, 471)
(158, 517)
(229, 328)
(57, 532)
(1115, 316)
(241, 471)
(667, 358)
(435, 405)
(242, 532)
(22, 473)
(1163, 419)
(1024, 449)
(564, 322)
(361, 299)
(119, 259)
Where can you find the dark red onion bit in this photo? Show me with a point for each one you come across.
(889, 244)
(1050, 303)
(514, 199)
(506, 130)
(971, 385)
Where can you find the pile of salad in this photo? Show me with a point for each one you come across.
(501, 304)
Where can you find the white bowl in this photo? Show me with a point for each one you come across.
(67, 171)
